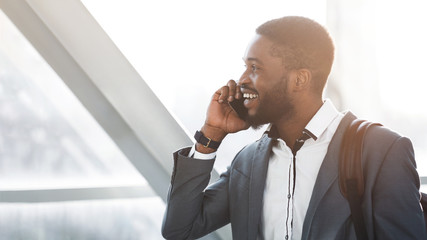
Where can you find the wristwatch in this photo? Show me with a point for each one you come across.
(205, 141)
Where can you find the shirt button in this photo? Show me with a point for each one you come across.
(286, 237)
(289, 195)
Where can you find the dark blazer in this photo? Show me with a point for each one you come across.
(390, 206)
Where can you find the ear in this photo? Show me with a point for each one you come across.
(302, 79)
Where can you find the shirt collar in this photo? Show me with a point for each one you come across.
(317, 125)
(322, 119)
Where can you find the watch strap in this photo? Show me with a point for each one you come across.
(205, 141)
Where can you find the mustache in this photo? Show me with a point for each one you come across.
(245, 86)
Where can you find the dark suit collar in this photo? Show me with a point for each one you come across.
(328, 173)
(259, 169)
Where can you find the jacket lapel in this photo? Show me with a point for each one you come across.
(328, 173)
(257, 184)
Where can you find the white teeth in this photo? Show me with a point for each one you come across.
(250, 95)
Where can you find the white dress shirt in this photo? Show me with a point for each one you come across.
(284, 210)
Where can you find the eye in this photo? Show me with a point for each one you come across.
(254, 67)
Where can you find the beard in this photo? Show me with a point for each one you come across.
(275, 105)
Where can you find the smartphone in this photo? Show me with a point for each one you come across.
(239, 108)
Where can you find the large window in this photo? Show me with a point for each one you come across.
(49, 144)
(48, 139)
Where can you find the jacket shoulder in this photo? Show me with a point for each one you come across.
(381, 139)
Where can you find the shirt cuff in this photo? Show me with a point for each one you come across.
(202, 156)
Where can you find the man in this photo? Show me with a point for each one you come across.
(285, 185)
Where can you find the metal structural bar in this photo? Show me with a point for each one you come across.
(77, 194)
(81, 53)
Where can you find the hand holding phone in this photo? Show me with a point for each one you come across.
(219, 121)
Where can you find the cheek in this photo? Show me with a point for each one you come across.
(253, 77)
(261, 82)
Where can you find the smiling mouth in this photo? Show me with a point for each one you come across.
(250, 96)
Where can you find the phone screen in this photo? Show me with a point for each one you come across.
(239, 108)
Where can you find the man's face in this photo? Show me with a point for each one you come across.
(265, 84)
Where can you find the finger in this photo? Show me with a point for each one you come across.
(231, 90)
(238, 93)
(223, 94)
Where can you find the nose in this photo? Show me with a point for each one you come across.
(244, 79)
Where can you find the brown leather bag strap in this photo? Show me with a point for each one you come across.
(350, 164)
(351, 178)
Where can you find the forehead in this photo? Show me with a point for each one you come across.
(260, 48)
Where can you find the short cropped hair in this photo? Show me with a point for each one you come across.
(302, 43)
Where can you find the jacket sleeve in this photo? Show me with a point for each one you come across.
(193, 210)
(396, 199)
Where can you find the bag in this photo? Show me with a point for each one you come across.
(351, 173)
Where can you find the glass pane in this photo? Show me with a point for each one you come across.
(379, 65)
(47, 138)
(103, 220)
(401, 50)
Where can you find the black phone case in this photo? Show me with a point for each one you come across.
(239, 108)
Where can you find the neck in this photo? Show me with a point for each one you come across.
(290, 129)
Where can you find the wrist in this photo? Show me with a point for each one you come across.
(208, 139)
(205, 150)
(213, 133)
